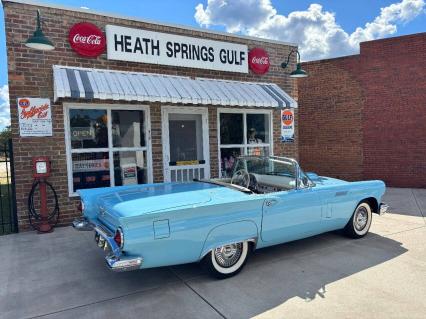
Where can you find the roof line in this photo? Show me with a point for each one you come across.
(124, 17)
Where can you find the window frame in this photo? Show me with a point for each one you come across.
(110, 149)
(245, 145)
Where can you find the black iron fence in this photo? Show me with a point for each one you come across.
(8, 219)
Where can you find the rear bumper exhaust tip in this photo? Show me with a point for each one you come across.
(82, 224)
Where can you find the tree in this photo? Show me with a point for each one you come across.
(5, 135)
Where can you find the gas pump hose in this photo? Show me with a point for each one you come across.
(33, 216)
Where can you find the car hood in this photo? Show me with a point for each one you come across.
(153, 198)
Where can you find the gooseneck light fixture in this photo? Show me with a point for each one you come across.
(299, 72)
(38, 40)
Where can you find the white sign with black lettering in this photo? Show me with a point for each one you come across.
(136, 45)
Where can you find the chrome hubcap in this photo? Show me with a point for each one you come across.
(228, 255)
(361, 218)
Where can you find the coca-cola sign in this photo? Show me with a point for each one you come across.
(87, 39)
(258, 60)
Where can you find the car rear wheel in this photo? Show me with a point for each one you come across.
(226, 261)
(360, 222)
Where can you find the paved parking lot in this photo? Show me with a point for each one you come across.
(62, 275)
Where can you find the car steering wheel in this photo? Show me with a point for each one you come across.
(253, 185)
(241, 178)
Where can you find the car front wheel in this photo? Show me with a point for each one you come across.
(226, 261)
(360, 222)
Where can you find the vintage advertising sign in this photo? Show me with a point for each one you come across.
(287, 125)
(136, 45)
(95, 165)
(258, 60)
(35, 117)
(87, 39)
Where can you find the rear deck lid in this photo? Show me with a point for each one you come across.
(150, 198)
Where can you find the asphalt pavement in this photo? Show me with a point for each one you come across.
(62, 275)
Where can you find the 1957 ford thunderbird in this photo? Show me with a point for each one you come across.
(268, 201)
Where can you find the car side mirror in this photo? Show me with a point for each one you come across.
(306, 182)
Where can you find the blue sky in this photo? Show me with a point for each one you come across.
(322, 28)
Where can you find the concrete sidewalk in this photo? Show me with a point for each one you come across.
(62, 275)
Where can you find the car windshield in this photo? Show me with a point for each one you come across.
(277, 166)
(261, 174)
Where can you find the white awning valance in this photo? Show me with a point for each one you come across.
(81, 83)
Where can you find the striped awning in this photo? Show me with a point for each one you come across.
(147, 87)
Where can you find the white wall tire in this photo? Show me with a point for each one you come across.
(360, 222)
(226, 261)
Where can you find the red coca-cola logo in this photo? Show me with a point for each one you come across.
(87, 39)
(258, 60)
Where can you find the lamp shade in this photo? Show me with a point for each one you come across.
(299, 72)
(38, 40)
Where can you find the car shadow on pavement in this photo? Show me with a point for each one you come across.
(66, 270)
(299, 269)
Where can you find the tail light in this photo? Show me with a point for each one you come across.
(119, 238)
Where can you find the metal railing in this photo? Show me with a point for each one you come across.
(8, 217)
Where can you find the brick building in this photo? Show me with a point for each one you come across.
(364, 116)
(132, 114)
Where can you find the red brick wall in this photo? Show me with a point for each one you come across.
(330, 141)
(394, 131)
(375, 127)
(30, 74)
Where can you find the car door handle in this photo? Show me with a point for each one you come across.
(271, 202)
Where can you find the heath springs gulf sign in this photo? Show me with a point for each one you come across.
(136, 45)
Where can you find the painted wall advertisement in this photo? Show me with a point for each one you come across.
(287, 125)
(35, 117)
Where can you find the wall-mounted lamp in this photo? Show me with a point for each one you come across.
(38, 40)
(299, 72)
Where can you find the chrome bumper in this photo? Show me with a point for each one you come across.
(383, 209)
(104, 239)
(123, 264)
(82, 224)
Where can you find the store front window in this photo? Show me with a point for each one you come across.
(107, 146)
(242, 132)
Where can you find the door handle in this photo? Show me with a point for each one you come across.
(271, 202)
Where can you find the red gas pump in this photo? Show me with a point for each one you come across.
(43, 221)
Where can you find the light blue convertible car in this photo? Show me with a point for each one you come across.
(219, 222)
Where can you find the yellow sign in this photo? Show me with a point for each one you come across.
(181, 163)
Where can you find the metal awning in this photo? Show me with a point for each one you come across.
(82, 83)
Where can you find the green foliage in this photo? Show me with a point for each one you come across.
(5, 135)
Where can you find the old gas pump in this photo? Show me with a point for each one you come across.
(42, 221)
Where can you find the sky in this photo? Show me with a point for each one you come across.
(321, 28)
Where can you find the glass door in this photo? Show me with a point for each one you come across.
(185, 144)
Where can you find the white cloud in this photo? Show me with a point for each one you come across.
(4, 106)
(315, 30)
